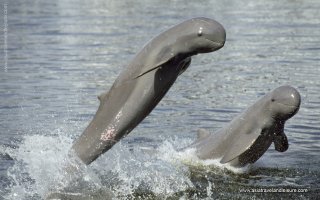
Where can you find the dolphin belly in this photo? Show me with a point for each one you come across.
(123, 109)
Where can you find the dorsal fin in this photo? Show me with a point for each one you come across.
(102, 96)
(202, 133)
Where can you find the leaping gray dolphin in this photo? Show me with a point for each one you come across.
(144, 82)
(248, 136)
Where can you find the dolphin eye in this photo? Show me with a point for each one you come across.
(272, 100)
(200, 31)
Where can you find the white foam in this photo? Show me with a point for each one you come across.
(43, 165)
(37, 164)
(189, 157)
(138, 170)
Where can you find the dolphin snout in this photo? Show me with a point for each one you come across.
(295, 97)
(287, 100)
(221, 35)
(288, 96)
(214, 31)
(218, 36)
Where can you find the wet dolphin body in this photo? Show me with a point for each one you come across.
(248, 136)
(144, 82)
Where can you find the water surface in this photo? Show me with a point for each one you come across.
(62, 54)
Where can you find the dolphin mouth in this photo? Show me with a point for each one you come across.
(294, 108)
(288, 105)
(214, 46)
(217, 44)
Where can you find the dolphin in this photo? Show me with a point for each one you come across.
(248, 136)
(143, 83)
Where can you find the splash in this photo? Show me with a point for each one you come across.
(36, 165)
(189, 157)
(142, 171)
(44, 168)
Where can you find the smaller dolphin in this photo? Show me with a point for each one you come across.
(248, 136)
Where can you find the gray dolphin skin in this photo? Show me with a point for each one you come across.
(248, 136)
(144, 82)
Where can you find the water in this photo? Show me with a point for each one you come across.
(62, 54)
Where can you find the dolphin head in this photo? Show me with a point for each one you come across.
(284, 102)
(201, 35)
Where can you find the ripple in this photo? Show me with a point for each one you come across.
(62, 54)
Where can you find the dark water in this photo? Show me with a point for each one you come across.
(62, 54)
